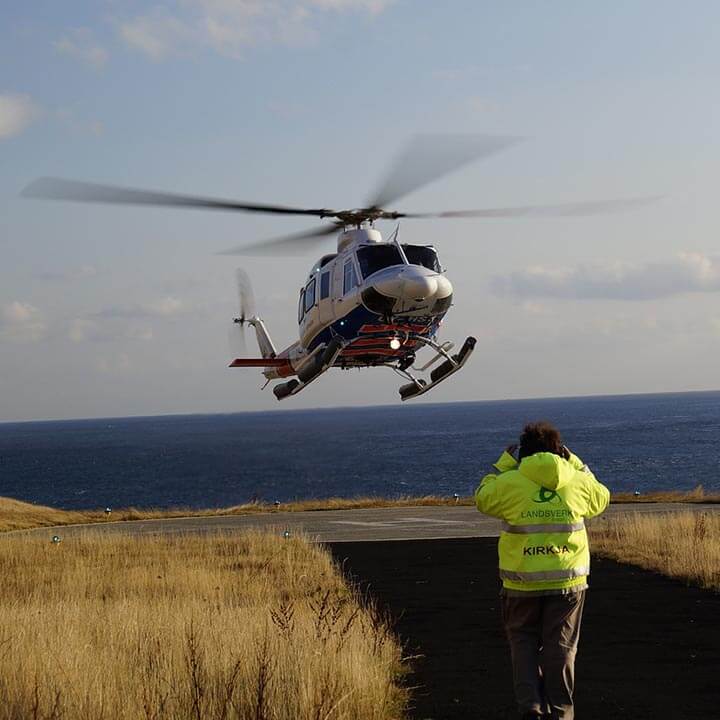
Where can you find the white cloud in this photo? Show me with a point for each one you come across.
(535, 309)
(157, 35)
(21, 322)
(79, 273)
(69, 117)
(139, 333)
(374, 7)
(91, 329)
(231, 26)
(128, 322)
(79, 329)
(164, 307)
(478, 104)
(88, 329)
(686, 273)
(114, 364)
(16, 113)
(80, 44)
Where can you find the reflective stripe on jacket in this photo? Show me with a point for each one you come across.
(543, 503)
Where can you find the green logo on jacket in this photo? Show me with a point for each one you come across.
(547, 496)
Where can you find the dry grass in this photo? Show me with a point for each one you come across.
(696, 495)
(683, 545)
(17, 515)
(251, 627)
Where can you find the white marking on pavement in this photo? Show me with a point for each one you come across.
(436, 521)
(405, 522)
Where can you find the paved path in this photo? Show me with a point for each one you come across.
(649, 646)
(361, 525)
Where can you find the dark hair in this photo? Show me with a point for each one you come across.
(540, 437)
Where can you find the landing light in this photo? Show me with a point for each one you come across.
(395, 344)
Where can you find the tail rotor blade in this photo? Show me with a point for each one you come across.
(246, 310)
(237, 342)
(246, 297)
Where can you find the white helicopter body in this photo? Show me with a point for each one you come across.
(372, 303)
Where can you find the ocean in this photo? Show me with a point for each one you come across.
(632, 442)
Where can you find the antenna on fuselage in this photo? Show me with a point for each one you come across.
(394, 239)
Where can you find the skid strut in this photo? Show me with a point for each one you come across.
(318, 363)
(451, 364)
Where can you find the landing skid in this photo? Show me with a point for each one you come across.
(317, 364)
(452, 363)
(325, 357)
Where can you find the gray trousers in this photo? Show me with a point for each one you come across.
(543, 632)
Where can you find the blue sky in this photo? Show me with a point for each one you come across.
(112, 311)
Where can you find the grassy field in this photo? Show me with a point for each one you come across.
(247, 627)
(241, 627)
(696, 495)
(683, 545)
(17, 515)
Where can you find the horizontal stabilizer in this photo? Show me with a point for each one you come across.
(259, 362)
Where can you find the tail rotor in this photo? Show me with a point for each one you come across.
(246, 313)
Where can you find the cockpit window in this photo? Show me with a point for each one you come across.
(422, 255)
(376, 257)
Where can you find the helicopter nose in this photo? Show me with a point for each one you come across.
(419, 287)
(408, 285)
(412, 290)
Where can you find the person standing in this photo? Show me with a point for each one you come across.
(543, 498)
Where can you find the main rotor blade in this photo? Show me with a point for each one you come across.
(294, 244)
(60, 189)
(602, 207)
(429, 157)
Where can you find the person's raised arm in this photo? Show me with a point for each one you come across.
(487, 496)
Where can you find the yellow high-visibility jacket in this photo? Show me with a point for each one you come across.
(543, 503)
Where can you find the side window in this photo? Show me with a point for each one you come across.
(301, 305)
(310, 295)
(324, 285)
(349, 279)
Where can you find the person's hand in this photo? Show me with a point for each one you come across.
(565, 453)
(512, 449)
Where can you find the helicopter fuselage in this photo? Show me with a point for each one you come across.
(372, 296)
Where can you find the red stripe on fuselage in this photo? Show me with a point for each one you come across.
(420, 329)
(258, 362)
(351, 352)
(380, 342)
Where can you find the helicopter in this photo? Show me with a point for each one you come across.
(372, 302)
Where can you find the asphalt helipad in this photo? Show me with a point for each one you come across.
(359, 525)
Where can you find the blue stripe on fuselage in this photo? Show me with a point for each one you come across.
(349, 326)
